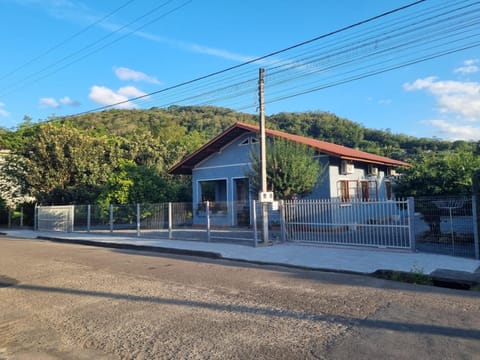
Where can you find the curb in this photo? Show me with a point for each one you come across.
(167, 250)
(439, 278)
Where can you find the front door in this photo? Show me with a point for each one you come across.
(242, 202)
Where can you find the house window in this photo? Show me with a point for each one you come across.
(249, 140)
(213, 190)
(388, 190)
(369, 190)
(347, 189)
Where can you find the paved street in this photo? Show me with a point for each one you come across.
(66, 301)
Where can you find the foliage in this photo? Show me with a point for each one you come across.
(131, 184)
(72, 159)
(439, 173)
(60, 163)
(291, 169)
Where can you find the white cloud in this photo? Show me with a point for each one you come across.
(124, 73)
(454, 131)
(458, 104)
(456, 97)
(106, 96)
(49, 103)
(469, 67)
(131, 92)
(53, 103)
(67, 101)
(3, 112)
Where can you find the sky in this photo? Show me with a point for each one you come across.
(66, 57)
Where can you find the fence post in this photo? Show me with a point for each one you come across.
(170, 221)
(21, 217)
(254, 216)
(208, 220)
(71, 219)
(89, 215)
(111, 218)
(476, 225)
(411, 222)
(138, 220)
(35, 215)
(283, 225)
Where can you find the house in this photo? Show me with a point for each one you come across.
(219, 173)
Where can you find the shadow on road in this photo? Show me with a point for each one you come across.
(349, 321)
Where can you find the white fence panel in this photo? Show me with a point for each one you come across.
(55, 218)
(331, 221)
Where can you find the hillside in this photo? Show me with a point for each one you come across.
(119, 156)
(208, 122)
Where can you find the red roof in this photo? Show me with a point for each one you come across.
(186, 165)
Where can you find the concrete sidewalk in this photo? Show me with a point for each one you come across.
(315, 257)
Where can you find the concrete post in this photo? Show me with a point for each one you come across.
(208, 220)
(411, 223)
(138, 220)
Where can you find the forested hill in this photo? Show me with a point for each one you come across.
(189, 127)
(122, 156)
(207, 122)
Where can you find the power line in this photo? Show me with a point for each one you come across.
(96, 42)
(67, 40)
(258, 59)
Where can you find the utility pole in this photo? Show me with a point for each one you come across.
(263, 154)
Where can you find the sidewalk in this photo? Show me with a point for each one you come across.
(314, 257)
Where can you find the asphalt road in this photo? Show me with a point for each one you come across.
(64, 301)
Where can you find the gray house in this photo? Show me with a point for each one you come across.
(219, 173)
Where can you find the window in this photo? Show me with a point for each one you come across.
(365, 190)
(347, 189)
(249, 140)
(369, 190)
(388, 190)
(213, 190)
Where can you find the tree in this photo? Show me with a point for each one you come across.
(59, 163)
(130, 184)
(292, 169)
(439, 173)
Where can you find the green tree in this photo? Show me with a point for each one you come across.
(292, 169)
(439, 173)
(130, 184)
(60, 164)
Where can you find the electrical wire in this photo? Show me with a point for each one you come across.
(65, 41)
(336, 58)
(34, 77)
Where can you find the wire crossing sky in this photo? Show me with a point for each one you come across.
(411, 68)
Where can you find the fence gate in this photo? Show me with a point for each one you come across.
(383, 224)
(55, 218)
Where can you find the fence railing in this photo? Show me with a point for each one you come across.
(446, 225)
(376, 223)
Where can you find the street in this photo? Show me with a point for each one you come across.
(65, 301)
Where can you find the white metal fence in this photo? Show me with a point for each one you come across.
(433, 225)
(55, 218)
(383, 224)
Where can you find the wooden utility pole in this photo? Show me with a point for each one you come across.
(263, 153)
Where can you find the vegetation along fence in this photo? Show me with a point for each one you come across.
(438, 225)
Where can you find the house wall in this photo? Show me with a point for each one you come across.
(231, 163)
(360, 173)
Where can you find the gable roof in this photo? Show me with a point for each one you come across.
(216, 144)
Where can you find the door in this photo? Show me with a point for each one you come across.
(242, 202)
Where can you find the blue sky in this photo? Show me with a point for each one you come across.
(62, 57)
